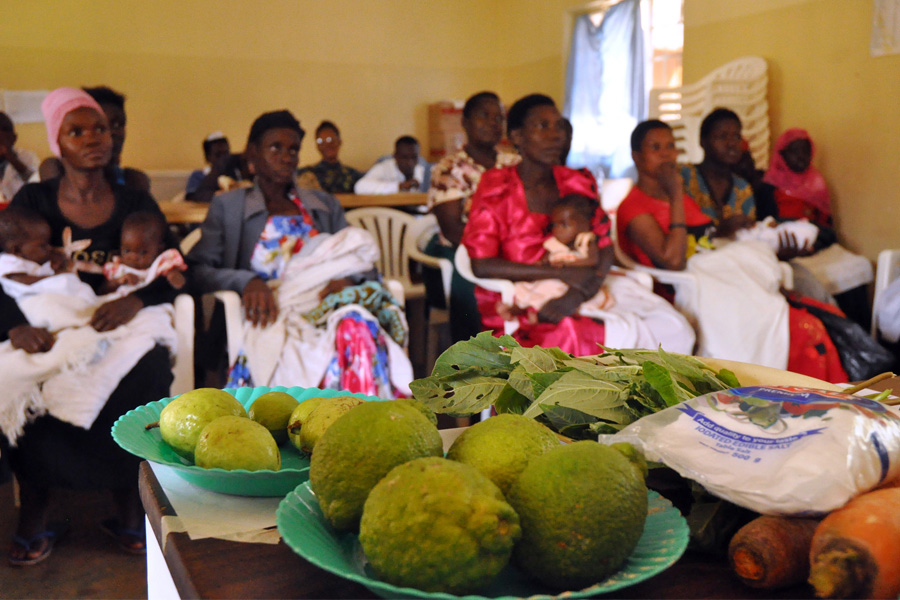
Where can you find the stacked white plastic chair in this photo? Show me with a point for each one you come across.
(740, 85)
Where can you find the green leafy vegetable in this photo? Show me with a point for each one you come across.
(578, 397)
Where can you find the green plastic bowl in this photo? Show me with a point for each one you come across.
(303, 527)
(130, 433)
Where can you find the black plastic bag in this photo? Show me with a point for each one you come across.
(861, 356)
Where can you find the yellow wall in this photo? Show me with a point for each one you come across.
(823, 79)
(189, 68)
(193, 67)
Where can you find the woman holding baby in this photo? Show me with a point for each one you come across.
(508, 225)
(85, 211)
(316, 313)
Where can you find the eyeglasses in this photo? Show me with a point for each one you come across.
(327, 140)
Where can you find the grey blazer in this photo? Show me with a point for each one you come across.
(221, 259)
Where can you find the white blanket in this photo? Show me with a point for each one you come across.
(640, 319)
(75, 378)
(741, 315)
(292, 351)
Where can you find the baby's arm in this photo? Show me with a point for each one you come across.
(176, 279)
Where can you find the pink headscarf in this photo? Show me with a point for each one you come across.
(57, 105)
(808, 185)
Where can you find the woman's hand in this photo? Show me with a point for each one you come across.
(728, 227)
(115, 313)
(788, 247)
(558, 309)
(31, 339)
(334, 286)
(259, 303)
(671, 181)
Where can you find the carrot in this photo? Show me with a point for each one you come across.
(772, 552)
(856, 549)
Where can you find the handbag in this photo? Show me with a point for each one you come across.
(861, 356)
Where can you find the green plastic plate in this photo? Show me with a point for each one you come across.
(129, 432)
(306, 531)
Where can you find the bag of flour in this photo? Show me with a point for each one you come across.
(776, 450)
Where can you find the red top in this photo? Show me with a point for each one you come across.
(500, 225)
(639, 203)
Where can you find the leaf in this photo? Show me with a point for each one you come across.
(541, 381)
(620, 373)
(484, 351)
(522, 383)
(533, 360)
(576, 390)
(729, 378)
(458, 396)
(659, 377)
(511, 401)
(561, 417)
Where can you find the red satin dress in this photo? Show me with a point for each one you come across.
(500, 225)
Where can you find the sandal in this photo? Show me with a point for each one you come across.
(132, 541)
(27, 544)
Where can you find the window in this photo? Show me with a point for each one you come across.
(619, 51)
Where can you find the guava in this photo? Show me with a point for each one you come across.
(272, 410)
(298, 418)
(359, 449)
(321, 418)
(501, 446)
(438, 526)
(182, 419)
(582, 508)
(231, 443)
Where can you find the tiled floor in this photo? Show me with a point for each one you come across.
(85, 563)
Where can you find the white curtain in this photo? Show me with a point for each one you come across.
(606, 89)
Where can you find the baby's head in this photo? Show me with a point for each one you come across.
(143, 239)
(572, 215)
(25, 233)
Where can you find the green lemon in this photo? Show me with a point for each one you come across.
(501, 446)
(359, 449)
(438, 526)
(582, 508)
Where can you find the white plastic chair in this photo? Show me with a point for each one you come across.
(506, 288)
(887, 269)
(424, 228)
(395, 231)
(183, 365)
(740, 85)
(399, 235)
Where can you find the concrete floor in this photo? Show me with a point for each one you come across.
(84, 564)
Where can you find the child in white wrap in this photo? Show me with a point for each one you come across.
(143, 256)
(29, 265)
(572, 243)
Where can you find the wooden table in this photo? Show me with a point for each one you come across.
(213, 568)
(392, 200)
(186, 213)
